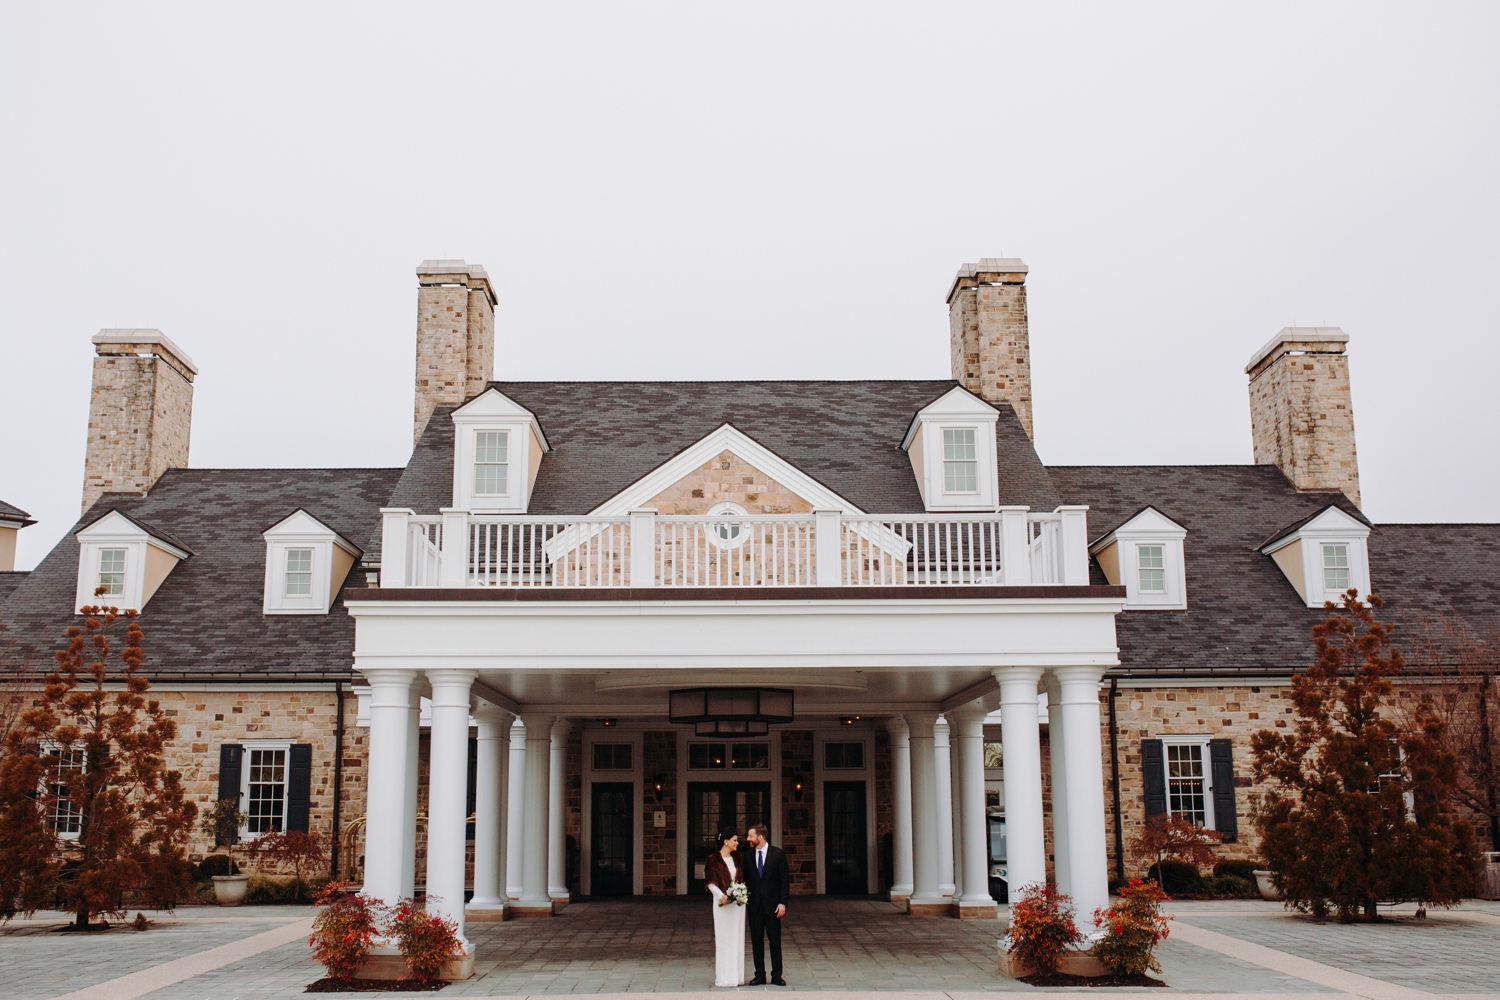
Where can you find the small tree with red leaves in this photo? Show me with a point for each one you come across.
(345, 927)
(1041, 927)
(1172, 838)
(1361, 813)
(1133, 926)
(427, 940)
(294, 849)
(90, 812)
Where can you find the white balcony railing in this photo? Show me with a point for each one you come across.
(1009, 547)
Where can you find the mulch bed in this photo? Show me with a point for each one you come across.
(327, 985)
(1063, 979)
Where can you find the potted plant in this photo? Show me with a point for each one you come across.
(222, 822)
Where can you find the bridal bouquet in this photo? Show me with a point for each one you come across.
(739, 893)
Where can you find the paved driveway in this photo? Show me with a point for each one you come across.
(666, 945)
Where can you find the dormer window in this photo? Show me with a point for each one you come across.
(490, 462)
(960, 466)
(951, 445)
(497, 450)
(306, 564)
(1145, 556)
(1323, 555)
(112, 572)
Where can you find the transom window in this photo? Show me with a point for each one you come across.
(265, 790)
(843, 756)
(1151, 562)
(728, 756)
(65, 818)
(960, 462)
(299, 572)
(612, 757)
(112, 572)
(491, 462)
(1188, 795)
(1335, 567)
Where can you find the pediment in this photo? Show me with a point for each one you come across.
(1148, 521)
(492, 404)
(299, 525)
(957, 402)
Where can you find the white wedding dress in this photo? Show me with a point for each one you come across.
(729, 935)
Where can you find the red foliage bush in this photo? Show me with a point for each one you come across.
(1041, 926)
(345, 927)
(426, 940)
(1133, 927)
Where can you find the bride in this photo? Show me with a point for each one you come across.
(721, 872)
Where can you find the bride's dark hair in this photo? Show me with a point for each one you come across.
(726, 834)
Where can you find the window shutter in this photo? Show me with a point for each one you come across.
(1221, 765)
(1155, 774)
(231, 755)
(298, 786)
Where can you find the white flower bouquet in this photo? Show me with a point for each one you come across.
(739, 893)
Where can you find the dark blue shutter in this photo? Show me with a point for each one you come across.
(298, 786)
(1154, 772)
(231, 755)
(1221, 767)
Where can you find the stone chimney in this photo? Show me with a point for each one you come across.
(140, 412)
(1300, 415)
(455, 335)
(991, 350)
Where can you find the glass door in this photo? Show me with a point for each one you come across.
(612, 839)
(712, 806)
(845, 849)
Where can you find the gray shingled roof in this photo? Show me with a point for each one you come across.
(206, 617)
(10, 581)
(11, 512)
(607, 435)
(1243, 616)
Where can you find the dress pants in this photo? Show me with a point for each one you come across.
(765, 925)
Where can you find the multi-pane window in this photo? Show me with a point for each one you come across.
(1151, 563)
(612, 757)
(112, 572)
(1335, 567)
(491, 462)
(960, 462)
(843, 756)
(299, 572)
(265, 790)
(1187, 782)
(724, 756)
(64, 817)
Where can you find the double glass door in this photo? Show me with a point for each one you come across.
(612, 839)
(712, 806)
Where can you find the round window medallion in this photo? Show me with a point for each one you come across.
(728, 534)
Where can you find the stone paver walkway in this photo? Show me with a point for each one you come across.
(851, 946)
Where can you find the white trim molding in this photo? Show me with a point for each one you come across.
(141, 560)
(326, 558)
(1333, 546)
(956, 410)
(1154, 579)
(525, 444)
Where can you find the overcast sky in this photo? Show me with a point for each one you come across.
(698, 191)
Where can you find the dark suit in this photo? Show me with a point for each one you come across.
(768, 890)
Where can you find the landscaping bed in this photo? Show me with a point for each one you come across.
(327, 985)
(1063, 979)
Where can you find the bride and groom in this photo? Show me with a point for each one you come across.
(753, 883)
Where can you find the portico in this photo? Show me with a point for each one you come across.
(593, 669)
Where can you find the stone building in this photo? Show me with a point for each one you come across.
(588, 624)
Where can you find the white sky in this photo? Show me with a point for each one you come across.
(779, 191)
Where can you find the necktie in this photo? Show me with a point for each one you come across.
(760, 862)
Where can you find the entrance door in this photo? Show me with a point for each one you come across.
(714, 805)
(845, 849)
(612, 839)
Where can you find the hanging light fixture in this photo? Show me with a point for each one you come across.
(731, 711)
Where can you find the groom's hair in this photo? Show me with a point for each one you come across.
(760, 829)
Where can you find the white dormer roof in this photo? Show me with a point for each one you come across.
(525, 444)
(306, 563)
(129, 556)
(961, 411)
(1323, 555)
(1146, 556)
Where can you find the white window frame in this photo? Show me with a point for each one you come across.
(1201, 742)
(300, 530)
(50, 819)
(1160, 556)
(116, 531)
(503, 437)
(645, 805)
(1330, 527)
(285, 747)
(121, 573)
(287, 571)
(822, 775)
(1340, 548)
(493, 411)
(1149, 527)
(956, 410)
(972, 463)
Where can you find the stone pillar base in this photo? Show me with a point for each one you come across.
(387, 963)
(976, 911)
(491, 914)
(941, 909)
(1074, 963)
(524, 911)
(900, 900)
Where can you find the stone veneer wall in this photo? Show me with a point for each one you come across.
(1302, 419)
(659, 847)
(140, 423)
(727, 479)
(799, 842)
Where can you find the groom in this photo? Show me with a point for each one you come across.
(770, 883)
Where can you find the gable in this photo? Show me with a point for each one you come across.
(727, 478)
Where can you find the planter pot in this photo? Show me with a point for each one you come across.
(1075, 962)
(1263, 883)
(230, 889)
(386, 962)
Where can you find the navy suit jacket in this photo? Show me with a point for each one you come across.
(772, 889)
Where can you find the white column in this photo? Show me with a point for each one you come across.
(1021, 747)
(925, 897)
(413, 786)
(1055, 741)
(967, 725)
(385, 800)
(557, 799)
(943, 785)
(900, 808)
(534, 898)
(447, 794)
(515, 810)
(492, 754)
(1088, 866)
